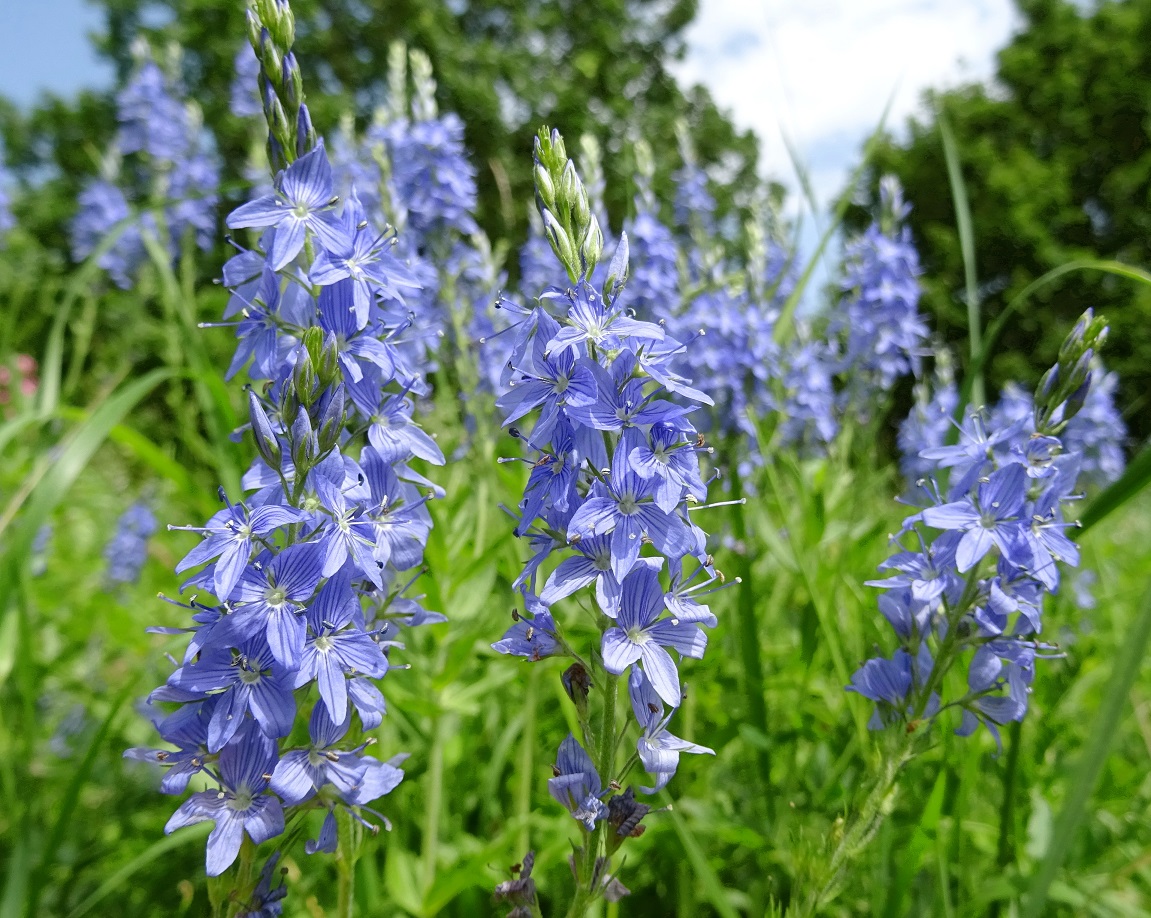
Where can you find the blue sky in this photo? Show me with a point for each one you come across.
(44, 46)
(822, 71)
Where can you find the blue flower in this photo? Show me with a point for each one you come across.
(989, 517)
(240, 805)
(658, 750)
(365, 259)
(591, 320)
(591, 565)
(972, 455)
(337, 646)
(248, 679)
(271, 595)
(576, 784)
(228, 537)
(548, 382)
(187, 729)
(128, 548)
(641, 633)
(625, 506)
(301, 202)
(302, 772)
(533, 637)
(152, 120)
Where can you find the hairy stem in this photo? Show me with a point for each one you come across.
(865, 824)
(585, 893)
(349, 853)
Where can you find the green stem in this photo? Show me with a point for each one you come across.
(607, 737)
(527, 761)
(435, 786)
(1006, 848)
(349, 852)
(605, 764)
(233, 899)
(749, 649)
(879, 803)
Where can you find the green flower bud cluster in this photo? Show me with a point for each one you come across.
(645, 175)
(271, 31)
(314, 404)
(569, 224)
(1063, 388)
(424, 86)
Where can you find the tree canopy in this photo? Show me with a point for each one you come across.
(1057, 165)
(505, 66)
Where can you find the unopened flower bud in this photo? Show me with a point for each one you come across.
(303, 442)
(545, 187)
(568, 191)
(267, 443)
(305, 132)
(617, 272)
(577, 683)
(1075, 401)
(591, 250)
(271, 60)
(562, 244)
(331, 418)
(305, 382)
(293, 81)
(255, 30)
(327, 362)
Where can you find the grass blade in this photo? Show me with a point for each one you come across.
(1127, 663)
(709, 883)
(74, 455)
(1133, 480)
(967, 248)
(120, 877)
(70, 798)
(996, 326)
(785, 325)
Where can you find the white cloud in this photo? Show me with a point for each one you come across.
(823, 70)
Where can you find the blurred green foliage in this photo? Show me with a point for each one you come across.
(1056, 158)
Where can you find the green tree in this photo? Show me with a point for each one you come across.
(1056, 157)
(505, 66)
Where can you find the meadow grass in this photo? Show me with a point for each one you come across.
(82, 828)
